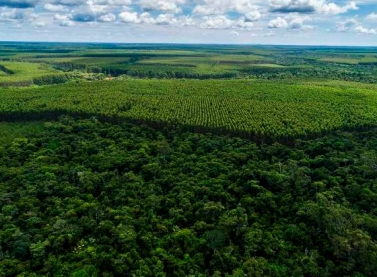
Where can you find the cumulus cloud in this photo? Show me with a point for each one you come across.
(162, 19)
(290, 22)
(120, 2)
(170, 6)
(146, 18)
(17, 15)
(109, 17)
(346, 25)
(61, 17)
(309, 6)
(12, 14)
(106, 6)
(278, 22)
(332, 8)
(129, 17)
(207, 10)
(253, 16)
(67, 23)
(242, 24)
(363, 30)
(64, 20)
(54, 8)
(223, 22)
(216, 22)
(109, 2)
(298, 23)
(93, 13)
(221, 7)
(372, 17)
(166, 19)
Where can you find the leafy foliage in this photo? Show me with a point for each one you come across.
(260, 110)
(87, 198)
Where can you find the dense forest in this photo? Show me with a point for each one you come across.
(87, 198)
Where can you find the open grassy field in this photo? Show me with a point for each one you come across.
(341, 60)
(361, 60)
(199, 62)
(19, 72)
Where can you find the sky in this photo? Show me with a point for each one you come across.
(294, 22)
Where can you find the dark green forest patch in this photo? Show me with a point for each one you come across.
(97, 199)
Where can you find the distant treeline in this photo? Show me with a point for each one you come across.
(345, 74)
(356, 73)
(179, 75)
(6, 70)
(41, 80)
(167, 74)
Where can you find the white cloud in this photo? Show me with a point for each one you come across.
(61, 17)
(170, 6)
(217, 22)
(310, 6)
(54, 8)
(12, 14)
(207, 10)
(253, 16)
(39, 24)
(166, 19)
(372, 17)
(162, 19)
(361, 29)
(332, 8)
(17, 15)
(110, 17)
(121, 2)
(241, 24)
(221, 7)
(278, 22)
(67, 23)
(146, 18)
(109, 2)
(347, 25)
(290, 22)
(186, 21)
(129, 17)
(223, 22)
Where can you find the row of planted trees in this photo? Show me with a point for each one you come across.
(246, 108)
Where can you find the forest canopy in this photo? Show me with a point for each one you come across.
(86, 198)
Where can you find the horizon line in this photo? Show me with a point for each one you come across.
(187, 43)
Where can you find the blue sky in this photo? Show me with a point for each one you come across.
(303, 22)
